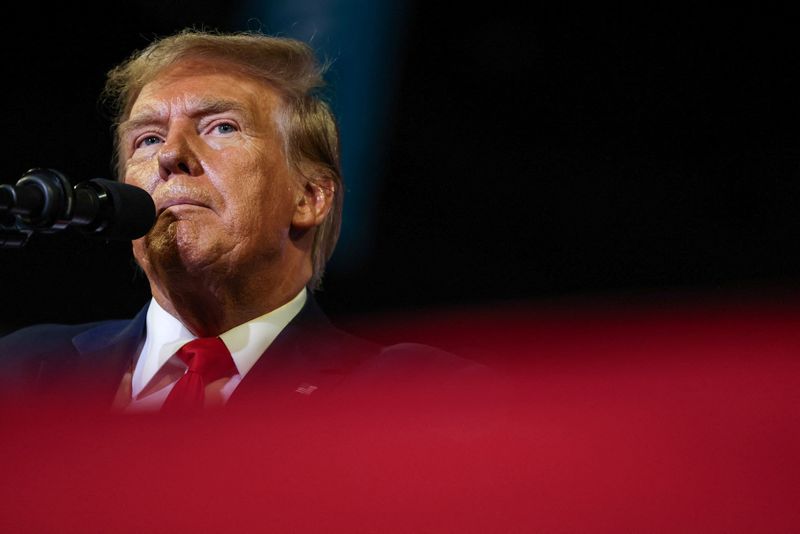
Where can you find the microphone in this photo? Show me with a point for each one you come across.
(45, 201)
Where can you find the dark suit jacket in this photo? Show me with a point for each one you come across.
(309, 361)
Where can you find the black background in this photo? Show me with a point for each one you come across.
(529, 157)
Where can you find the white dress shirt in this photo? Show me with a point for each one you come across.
(157, 368)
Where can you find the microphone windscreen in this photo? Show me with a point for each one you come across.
(133, 210)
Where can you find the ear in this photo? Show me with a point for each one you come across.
(314, 202)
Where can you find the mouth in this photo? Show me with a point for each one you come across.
(179, 202)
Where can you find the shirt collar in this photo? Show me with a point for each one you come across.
(246, 342)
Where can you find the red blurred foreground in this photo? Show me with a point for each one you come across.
(601, 421)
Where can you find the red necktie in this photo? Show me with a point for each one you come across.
(208, 360)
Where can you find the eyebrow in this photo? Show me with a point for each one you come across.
(197, 108)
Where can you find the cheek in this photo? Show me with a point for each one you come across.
(257, 180)
(140, 174)
(263, 209)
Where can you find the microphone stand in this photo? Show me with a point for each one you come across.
(18, 218)
(11, 238)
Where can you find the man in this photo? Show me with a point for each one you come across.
(229, 137)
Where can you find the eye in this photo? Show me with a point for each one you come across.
(148, 140)
(224, 128)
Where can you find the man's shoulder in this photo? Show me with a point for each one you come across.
(407, 369)
(49, 337)
(410, 359)
(39, 339)
(371, 357)
(368, 359)
(49, 355)
(417, 386)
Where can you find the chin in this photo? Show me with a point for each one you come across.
(169, 248)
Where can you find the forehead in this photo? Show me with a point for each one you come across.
(192, 83)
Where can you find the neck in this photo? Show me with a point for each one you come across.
(209, 306)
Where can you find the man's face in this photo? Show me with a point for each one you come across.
(203, 140)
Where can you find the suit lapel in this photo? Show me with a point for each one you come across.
(306, 362)
(106, 353)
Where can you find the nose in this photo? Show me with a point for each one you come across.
(176, 157)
